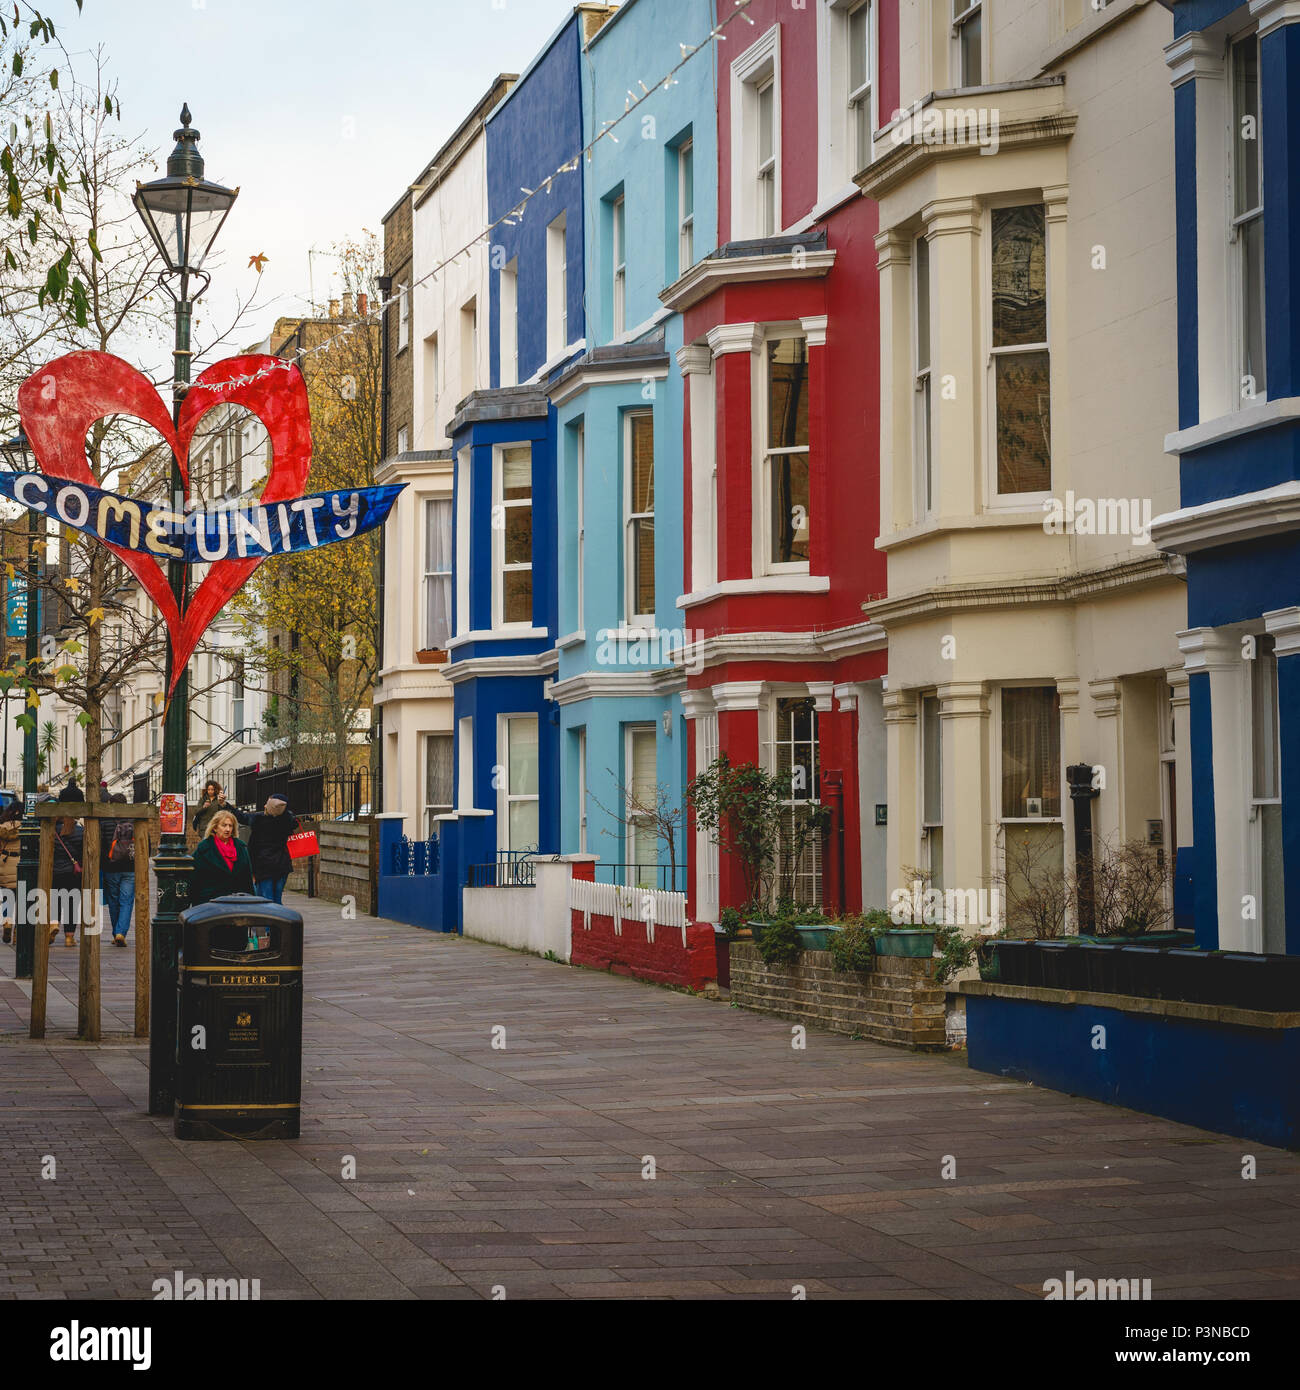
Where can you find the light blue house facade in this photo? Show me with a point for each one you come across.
(650, 194)
(502, 657)
(1236, 76)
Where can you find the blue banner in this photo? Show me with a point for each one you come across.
(202, 534)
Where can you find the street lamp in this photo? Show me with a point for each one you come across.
(183, 213)
(18, 455)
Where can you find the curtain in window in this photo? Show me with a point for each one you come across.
(438, 784)
(437, 574)
(1031, 749)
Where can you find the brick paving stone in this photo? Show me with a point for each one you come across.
(522, 1167)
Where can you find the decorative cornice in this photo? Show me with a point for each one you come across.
(1284, 625)
(698, 703)
(1056, 198)
(900, 706)
(1209, 649)
(1264, 415)
(732, 696)
(475, 667)
(734, 337)
(1105, 698)
(1180, 686)
(952, 217)
(1067, 692)
(814, 330)
(832, 645)
(905, 161)
(610, 366)
(963, 700)
(1194, 55)
(716, 272)
(1273, 14)
(1071, 588)
(764, 584)
(1229, 520)
(694, 358)
(606, 685)
(893, 247)
(846, 696)
(822, 692)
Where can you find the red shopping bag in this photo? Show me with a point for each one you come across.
(302, 844)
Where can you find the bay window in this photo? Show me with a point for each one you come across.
(784, 429)
(437, 574)
(639, 515)
(520, 783)
(1019, 360)
(1246, 231)
(439, 762)
(512, 531)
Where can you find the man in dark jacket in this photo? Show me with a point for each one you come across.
(268, 838)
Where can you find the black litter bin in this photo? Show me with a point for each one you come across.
(239, 1026)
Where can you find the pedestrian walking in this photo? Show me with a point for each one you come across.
(71, 792)
(10, 820)
(67, 876)
(221, 861)
(268, 836)
(117, 855)
(212, 800)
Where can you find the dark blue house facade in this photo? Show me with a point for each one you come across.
(502, 657)
(1236, 77)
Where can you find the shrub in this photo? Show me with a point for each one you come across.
(779, 943)
(730, 920)
(853, 947)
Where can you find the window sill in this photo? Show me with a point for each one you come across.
(496, 634)
(766, 584)
(994, 520)
(571, 639)
(1237, 422)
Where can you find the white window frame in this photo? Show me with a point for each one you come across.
(465, 763)
(403, 315)
(581, 732)
(430, 810)
(557, 286)
(633, 823)
(769, 215)
(763, 562)
(432, 429)
(1237, 222)
(469, 346)
(1264, 664)
(925, 825)
(499, 566)
(464, 533)
(923, 452)
(974, 9)
(508, 324)
(403, 439)
(685, 220)
(618, 266)
(769, 745)
(860, 157)
(428, 574)
(993, 499)
(632, 617)
(758, 64)
(505, 797)
(580, 522)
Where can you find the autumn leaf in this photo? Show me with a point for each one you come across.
(9, 571)
(93, 615)
(258, 261)
(73, 583)
(33, 699)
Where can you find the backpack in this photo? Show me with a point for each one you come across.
(122, 850)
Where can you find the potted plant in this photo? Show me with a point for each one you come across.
(780, 943)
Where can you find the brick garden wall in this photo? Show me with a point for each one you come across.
(663, 961)
(896, 1002)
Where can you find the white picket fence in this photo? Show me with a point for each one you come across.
(652, 906)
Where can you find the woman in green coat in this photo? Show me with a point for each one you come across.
(221, 862)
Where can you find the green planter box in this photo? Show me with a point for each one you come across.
(916, 942)
(816, 938)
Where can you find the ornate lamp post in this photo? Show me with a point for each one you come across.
(184, 213)
(18, 454)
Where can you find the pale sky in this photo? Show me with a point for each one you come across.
(320, 111)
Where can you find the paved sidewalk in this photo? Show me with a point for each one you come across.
(522, 1167)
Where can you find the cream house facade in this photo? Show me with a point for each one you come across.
(1026, 254)
(441, 347)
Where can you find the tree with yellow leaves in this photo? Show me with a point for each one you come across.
(311, 619)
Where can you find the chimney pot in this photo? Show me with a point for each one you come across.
(363, 304)
(347, 304)
(334, 308)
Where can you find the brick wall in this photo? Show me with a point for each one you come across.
(663, 961)
(401, 378)
(896, 1002)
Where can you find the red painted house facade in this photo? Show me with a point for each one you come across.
(781, 446)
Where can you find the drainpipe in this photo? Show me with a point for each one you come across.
(1079, 778)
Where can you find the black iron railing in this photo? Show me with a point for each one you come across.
(648, 875)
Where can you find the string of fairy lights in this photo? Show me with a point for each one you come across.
(515, 214)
